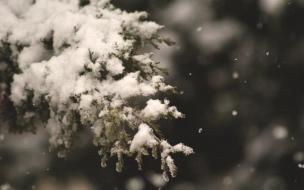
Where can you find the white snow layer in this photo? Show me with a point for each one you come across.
(75, 33)
(144, 137)
(155, 109)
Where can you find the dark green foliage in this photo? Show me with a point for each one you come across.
(83, 3)
(48, 42)
(7, 110)
(159, 39)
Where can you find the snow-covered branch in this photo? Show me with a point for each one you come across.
(74, 64)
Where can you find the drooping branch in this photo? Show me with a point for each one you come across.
(78, 67)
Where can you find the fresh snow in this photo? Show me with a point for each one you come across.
(81, 60)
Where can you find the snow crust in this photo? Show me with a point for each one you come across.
(144, 137)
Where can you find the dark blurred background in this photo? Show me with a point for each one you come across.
(239, 67)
